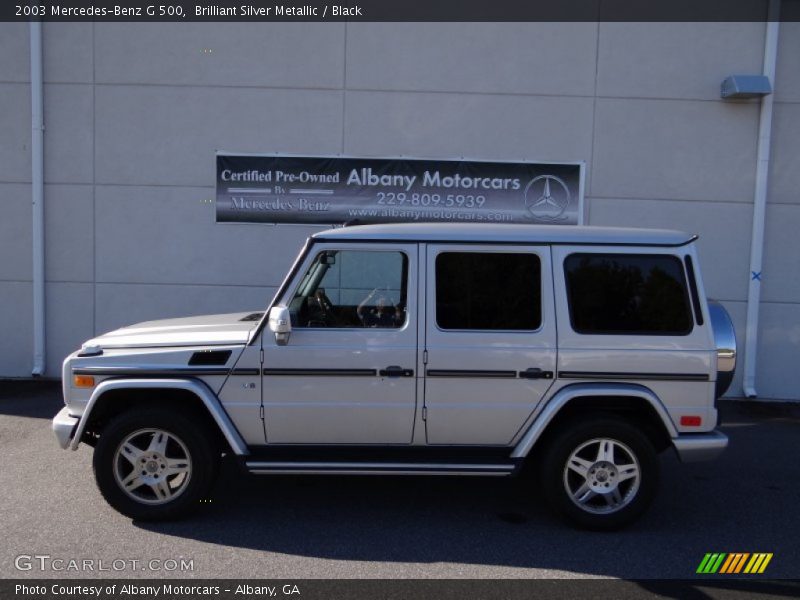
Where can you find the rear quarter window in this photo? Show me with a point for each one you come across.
(627, 294)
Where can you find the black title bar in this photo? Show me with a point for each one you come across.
(391, 589)
(398, 11)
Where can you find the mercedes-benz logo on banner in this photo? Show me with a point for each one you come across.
(547, 198)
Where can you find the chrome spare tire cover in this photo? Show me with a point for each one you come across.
(725, 342)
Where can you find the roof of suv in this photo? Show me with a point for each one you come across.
(508, 233)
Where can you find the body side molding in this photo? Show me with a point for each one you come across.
(151, 371)
(194, 386)
(612, 375)
(570, 392)
(375, 468)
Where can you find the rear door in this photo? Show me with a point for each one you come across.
(490, 340)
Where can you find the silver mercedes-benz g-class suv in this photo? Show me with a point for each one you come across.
(437, 349)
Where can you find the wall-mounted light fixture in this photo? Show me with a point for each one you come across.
(745, 86)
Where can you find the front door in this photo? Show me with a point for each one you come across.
(490, 338)
(347, 374)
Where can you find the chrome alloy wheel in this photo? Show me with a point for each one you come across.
(602, 476)
(152, 466)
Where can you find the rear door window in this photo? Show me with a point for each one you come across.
(488, 291)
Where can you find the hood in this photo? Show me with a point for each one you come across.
(206, 330)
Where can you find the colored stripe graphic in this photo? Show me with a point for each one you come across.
(734, 563)
(711, 562)
(765, 563)
(758, 563)
(727, 564)
(741, 562)
(703, 563)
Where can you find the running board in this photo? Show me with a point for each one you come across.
(378, 468)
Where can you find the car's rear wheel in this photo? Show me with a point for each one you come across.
(155, 464)
(600, 473)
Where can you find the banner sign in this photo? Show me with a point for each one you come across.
(329, 191)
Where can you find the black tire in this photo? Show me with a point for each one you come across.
(184, 436)
(602, 510)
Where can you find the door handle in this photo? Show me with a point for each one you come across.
(535, 373)
(395, 371)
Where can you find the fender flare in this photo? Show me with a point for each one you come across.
(563, 396)
(194, 386)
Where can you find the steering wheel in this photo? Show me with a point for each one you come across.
(322, 311)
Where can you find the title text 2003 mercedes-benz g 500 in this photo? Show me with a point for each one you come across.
(441, 349)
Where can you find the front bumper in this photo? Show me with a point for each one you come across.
(695, 447)
(64, 425)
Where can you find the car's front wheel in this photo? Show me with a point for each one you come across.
(600, 473)
(155, 464)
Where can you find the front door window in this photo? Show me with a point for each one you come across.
(352, 289)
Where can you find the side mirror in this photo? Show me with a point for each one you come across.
(280, 324)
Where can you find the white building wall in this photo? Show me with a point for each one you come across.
(135, 112)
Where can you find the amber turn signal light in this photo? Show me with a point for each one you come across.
(83, 381)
